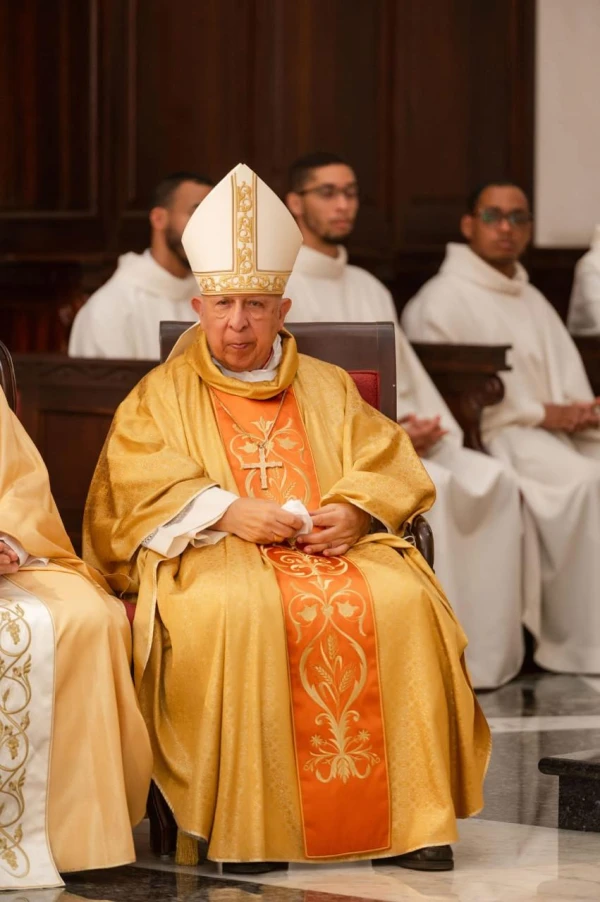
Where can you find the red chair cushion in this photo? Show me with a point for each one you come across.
(130, 610)
(367, 382)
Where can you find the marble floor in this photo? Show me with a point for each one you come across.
(512, 852)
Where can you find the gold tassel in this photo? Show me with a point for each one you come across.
(187, 849)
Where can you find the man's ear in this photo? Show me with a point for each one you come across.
(284, 309)
(197, 305)
(159, 217)
(466, 226)
(294, 203)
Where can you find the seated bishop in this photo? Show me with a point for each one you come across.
(300, 670)
(75, 758)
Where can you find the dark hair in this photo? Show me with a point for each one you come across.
(473, 198)
(300, 170)
(163, 192)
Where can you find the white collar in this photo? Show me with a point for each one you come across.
(313, 263)
(266, 374)
(461, 261)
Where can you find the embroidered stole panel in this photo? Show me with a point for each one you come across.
(331, 640)
(26, 713)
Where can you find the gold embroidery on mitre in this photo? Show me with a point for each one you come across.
(245, 278)
(15, 699)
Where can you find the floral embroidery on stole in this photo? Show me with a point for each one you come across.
(331, 641)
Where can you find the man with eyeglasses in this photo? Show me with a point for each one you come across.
(546, 427)
(477, 508)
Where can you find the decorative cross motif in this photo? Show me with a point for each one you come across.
(263, 465)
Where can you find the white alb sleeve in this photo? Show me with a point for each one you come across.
(25, 559)
(192, 524)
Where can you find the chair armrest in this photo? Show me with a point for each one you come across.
(421, 532)
(418, 532)
(467, 377)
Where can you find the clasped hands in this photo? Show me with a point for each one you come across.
(9, 560)
(572, 417)
(337, 526)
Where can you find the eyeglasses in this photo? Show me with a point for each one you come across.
(329, 192)
(496, 216)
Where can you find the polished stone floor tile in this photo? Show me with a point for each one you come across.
(544, 723)
(545, 694)
(495, 862)
(515, 791)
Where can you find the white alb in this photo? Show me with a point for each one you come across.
(559, 475)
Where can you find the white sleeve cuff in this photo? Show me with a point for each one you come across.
(25, 559)
(192, 524)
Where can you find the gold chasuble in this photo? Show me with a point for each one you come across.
(299, 707)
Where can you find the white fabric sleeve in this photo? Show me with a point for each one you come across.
(192, 524)
(25, 559)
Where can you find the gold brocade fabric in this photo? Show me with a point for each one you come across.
(209, 636)
(101, 758)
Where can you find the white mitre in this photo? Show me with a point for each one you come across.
(242, 239)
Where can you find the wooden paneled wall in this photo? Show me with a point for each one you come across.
(100, 98)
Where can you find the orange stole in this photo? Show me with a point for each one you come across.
(331, 642)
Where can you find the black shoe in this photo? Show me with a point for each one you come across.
(429, 858)
(254, 867)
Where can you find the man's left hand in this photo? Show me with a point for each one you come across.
(339, 527)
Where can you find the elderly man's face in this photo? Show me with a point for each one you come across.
(241, 329)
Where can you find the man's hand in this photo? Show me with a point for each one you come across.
(339, 527)
(9, 561)
(423, 433)
(258, 521)
(571, 417)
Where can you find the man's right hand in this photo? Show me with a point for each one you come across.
(9, 561)
(571, 417)
(258, 521)
(423, 433)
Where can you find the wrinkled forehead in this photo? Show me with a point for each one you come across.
(506, 197)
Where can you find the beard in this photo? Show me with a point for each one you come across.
(326, 234)
(173, 242)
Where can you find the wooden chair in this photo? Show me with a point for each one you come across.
(8, 381)
(368, 352)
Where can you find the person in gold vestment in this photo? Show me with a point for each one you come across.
(75, 758)
(300, 670)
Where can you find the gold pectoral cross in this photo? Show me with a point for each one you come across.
(263, 466)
